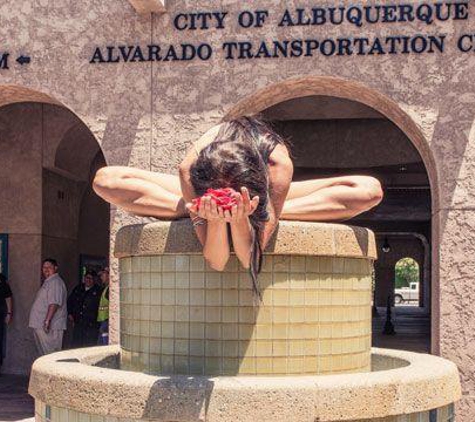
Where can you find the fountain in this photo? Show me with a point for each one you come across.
(195, 345)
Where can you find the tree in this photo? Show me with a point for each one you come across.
(407, 271)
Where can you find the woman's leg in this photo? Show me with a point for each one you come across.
(335, 198)
(141, 192)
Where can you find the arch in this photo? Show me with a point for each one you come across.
(330, 86)
(407, 281)
(413, 266)
(13, 94)
(41, 140)
(346, 89)
(77, 138)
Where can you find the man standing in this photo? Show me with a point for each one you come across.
(83, 304)
(103, 314)
(48, 314)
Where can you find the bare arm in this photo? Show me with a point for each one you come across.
(241, 229)
(242, 234)
(216, 248)
(213, 234)
(216, 244)
(189, 193)
(9, 302)
(49, 316)
(185, 181)
(331, 199)
(281, 171)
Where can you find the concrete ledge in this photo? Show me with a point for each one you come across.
(69, 380)
(290, 238)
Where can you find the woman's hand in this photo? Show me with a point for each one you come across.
(244, 207)
(208, 209)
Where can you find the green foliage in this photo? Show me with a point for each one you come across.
(407, 271)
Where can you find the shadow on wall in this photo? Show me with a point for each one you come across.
(361, 236)
(191, 396)
(118, 139)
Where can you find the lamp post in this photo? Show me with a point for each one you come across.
(388, 325)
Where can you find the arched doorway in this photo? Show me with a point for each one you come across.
(47, 209)
(341, 127)
(407, 278)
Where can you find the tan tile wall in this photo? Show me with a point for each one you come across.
(180, 317)
(44, 413)
(444, 414)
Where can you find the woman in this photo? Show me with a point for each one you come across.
(6, 311)
(248, 156)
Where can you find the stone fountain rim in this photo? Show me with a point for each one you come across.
(68, 379)
(290, 238)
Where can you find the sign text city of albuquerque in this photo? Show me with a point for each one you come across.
(421, 14)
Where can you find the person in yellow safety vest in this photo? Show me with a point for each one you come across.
(103, 312)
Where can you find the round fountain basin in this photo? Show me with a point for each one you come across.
(85, 385)
(178, 316)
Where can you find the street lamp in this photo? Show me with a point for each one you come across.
(386, 248)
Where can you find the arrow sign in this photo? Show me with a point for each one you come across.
(23, 60)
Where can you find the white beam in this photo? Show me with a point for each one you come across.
(148, 6)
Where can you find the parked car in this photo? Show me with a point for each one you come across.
(407, 294)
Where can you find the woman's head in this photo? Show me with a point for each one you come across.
(237, 158)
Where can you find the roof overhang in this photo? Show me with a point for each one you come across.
(148, 6)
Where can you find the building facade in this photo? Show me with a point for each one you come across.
(386, 89)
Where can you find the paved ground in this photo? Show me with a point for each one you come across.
(15, 403)
(412, 328)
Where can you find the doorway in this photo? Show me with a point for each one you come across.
(48, 208)
(332, 136)
(407, 281)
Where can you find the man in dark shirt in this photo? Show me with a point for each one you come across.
(83, 304)
(6, 311)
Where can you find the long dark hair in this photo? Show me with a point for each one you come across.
(238, 157)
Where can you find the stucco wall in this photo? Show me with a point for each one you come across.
(146, 114)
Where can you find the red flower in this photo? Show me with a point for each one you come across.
(223, 198)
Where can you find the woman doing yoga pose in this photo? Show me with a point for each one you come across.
(248, 156)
